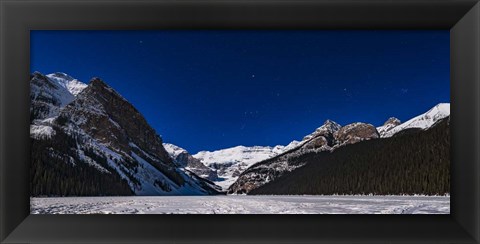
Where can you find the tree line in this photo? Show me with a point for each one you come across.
(413, 162)
(61, 172)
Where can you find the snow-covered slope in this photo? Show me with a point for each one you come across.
(94, 126)
(329, 137)
(423, 121)
(187, 161)
(174, 150)
(391, 123)
(71, 84)
(49, 93)
(246, 155)
(229, 163)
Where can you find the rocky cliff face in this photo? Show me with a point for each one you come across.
(323, 136)
(184, 159)
(105, 115)
(421, 122)
(105, 132)
(48, 96)
(328, 137)
(229, 163)
(417, 162)
(391, 123)
(354, 133)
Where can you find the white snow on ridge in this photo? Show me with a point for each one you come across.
(60, 89)
(230, 162)
(328, 127)
(91, 162)
(246, 155)
(240, 204)
(423, 121)
(41, 131)
(71, 84)
(382, 130)
(173, 150)
(291, 146)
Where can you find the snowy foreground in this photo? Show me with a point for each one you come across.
(243, 205)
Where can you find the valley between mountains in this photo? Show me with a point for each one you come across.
(87, 140)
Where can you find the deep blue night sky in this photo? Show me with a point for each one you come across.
(208, 90)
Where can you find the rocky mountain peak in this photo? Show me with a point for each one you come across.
(329, 122)
(98, 83)
(100, 106)
(62, 75)
(99, 128)
(422, 121)
(328, 128)
(37, 75)
(48, 94)
(355, 132)
(72, 85)
(271, 169)
(392, 121)
(183, 158)
(323, 136)
(39, 80)
(330, 125)
(389, 125)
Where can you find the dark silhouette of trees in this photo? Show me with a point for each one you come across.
(63, 173)
(413, 162)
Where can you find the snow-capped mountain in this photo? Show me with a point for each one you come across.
(90, 132)
(187, 161)
(327, 137)
(423, 121)
(414, 161)
(50, 93)
(327, 129)
(73, 85)
(78, 128)
(391, 123)
(229, 163)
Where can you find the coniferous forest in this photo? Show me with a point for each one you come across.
(413, 162)
(61, 175)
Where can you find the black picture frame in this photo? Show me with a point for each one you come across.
(18, 17)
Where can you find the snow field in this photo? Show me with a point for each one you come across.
(241, 204)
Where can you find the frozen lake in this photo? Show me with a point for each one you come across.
(236, 204)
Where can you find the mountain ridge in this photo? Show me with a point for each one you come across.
(118, 135)
(265, 171)
(100, 132)
(422, 121)
(385, 166)
(230, 163)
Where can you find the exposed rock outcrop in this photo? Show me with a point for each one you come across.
(94, 129)
(354, 133)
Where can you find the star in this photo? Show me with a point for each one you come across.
(253, 76)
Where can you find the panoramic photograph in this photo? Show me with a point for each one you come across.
(240, 122)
